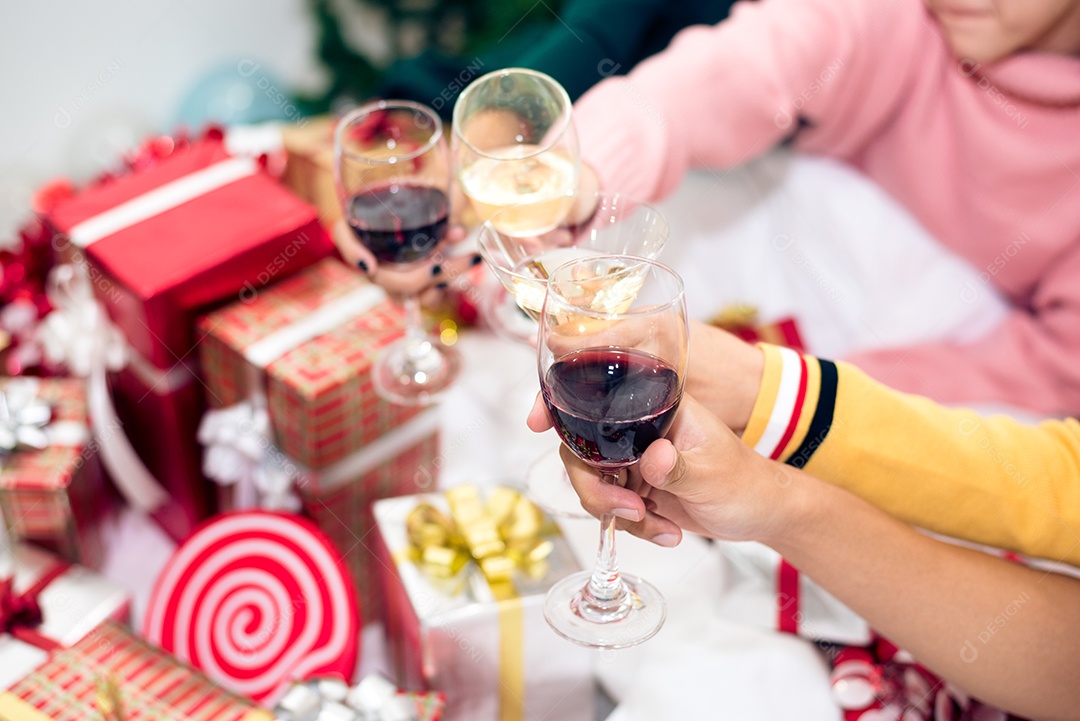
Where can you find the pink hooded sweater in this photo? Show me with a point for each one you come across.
(987, 158)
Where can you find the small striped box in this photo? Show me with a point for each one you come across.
(112, 675)
(305, 347)
(57, 497)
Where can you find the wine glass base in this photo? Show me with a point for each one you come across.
(548, 486)
(405, 377)
(635, 621)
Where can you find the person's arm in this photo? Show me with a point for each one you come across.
(1007, 634)
(991, 480)
(1032, 360)
(719, 96)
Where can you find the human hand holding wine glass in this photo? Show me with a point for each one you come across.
(392, 171)
(617, 225)
(612, 353)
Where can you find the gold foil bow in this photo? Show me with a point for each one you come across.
(508, 533)
(737, 315)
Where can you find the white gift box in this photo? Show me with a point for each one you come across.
(72, 605)
(493, 659)
(753, 595)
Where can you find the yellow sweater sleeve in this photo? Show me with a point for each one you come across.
(992, 480)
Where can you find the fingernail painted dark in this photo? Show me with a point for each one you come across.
(442, 286)
(476, 260)
(436, 269)
(362, 265)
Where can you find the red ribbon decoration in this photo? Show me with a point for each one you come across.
(787, 600)
(21, 614)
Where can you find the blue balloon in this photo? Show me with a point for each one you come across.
(238, 93)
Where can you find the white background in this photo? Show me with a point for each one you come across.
(120, 70)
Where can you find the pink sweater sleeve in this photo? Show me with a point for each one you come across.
(1027, 361)
(720, 95)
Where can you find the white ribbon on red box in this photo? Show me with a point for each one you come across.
(160, 199)
(80, 334)
(239, 442)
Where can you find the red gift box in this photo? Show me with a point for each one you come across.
(161, 246)
(50, 605)
(299, 356)
(400, 463)
(198, 228)
(113, 675)
(56, 496)
(742, 321)
(315, 376)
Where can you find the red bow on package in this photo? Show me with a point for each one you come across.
(17, 610)
(885, 683)
(741, 320)
(20, 613)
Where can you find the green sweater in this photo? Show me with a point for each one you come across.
(588, 41)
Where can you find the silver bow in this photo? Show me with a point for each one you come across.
(373, 699)
(240, 452)
(78, 330)
(23, 418)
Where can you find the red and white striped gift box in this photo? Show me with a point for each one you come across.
(303, 349)
(308, 344)
(56, 496)
(112, 665)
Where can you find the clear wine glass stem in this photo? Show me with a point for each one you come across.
(605, 584)
(605, 597)
(414, 327)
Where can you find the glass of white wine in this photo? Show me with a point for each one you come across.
(515, 150)
(522, 263)
(617, 226)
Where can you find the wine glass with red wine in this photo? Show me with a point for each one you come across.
(392, 169)
(612, 353)
(617, 225)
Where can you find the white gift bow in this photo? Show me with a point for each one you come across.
(239, 439)
(240, 452)
(78, 333)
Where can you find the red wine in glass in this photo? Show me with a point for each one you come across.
(399, 223)
(609, 404)
(612, 382)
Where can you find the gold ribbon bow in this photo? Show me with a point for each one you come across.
(508, 533)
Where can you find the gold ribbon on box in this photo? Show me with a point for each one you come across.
(506, 535)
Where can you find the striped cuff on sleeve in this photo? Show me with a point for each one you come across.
(793, 412)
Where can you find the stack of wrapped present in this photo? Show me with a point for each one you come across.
(65, 653)
(202, 353)
(289, 371)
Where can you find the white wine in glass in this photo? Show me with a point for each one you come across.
(618, 225)
(515, 150)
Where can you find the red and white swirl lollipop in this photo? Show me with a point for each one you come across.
(257, 600)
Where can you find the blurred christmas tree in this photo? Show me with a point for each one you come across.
(451, 27)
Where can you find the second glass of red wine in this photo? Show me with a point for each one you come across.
(392, 169)
(612, 352)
